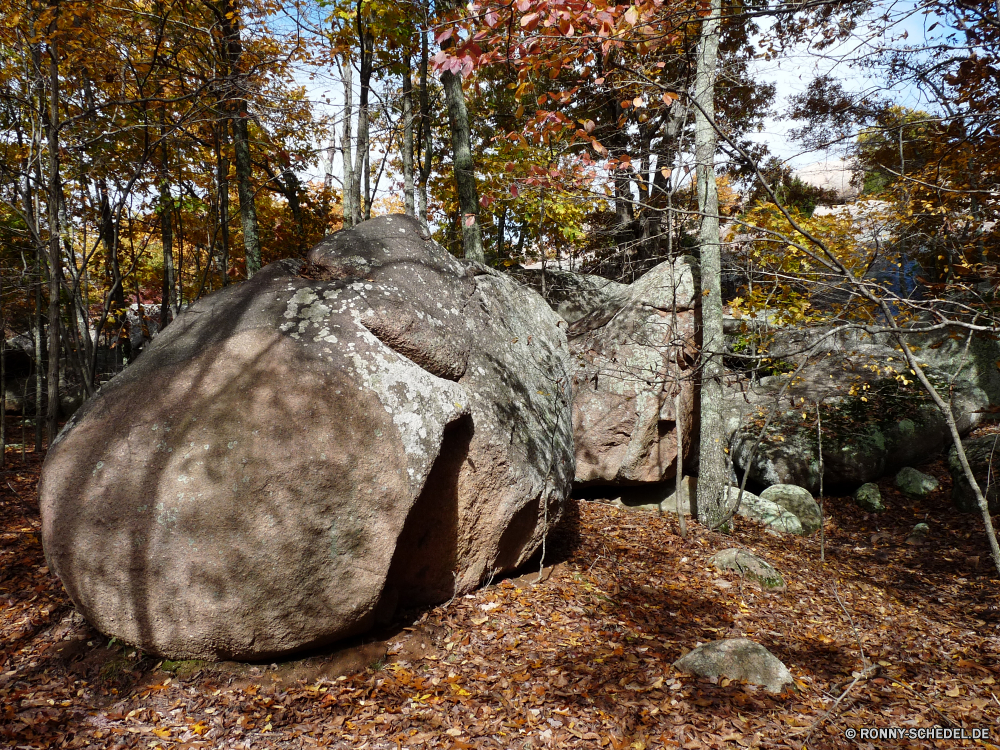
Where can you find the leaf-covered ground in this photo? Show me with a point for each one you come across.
(580, 659)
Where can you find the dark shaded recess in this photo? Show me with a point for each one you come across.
(422, 568)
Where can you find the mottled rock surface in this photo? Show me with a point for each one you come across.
(382, 426)
(983, 455)
(868, 498)
(766, 512)
(629, 361)
(913, 483)
(749, 565)
(797, 501)
(876, 420)
(576, 295)
(737, 659)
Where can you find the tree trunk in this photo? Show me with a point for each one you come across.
(407, 154)
(55, 263)
(168, 300)
(248, 211)
(109, 237)
(713, 470)
(501, 230)
(465, 176)
(368, 181)
(39, 360)
(222, 186)
(347, 145)
(3, 380)
(364, 94)
(425, 131)
(241, 140)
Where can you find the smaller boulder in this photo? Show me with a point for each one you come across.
(751, 566)
(798, 501)
(919, 534)
(915, 484)
(737, 659)
(768, 513)
(983, 455)
(868, 498)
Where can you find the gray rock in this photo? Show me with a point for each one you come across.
(737, 659)
(915, 484)
(577, 295)
(748, 564)
(689, 495)
(796, 500)
(626, 370)
(919, 534)
(868, 498)
(975, 366)
(862, 439)
(983, 455)
(385, 426)
(766, 512)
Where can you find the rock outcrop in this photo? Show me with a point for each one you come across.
(749, 565)
(915, 484)
(380, 426)
(631, 355)
(983, 455)
(875, 419)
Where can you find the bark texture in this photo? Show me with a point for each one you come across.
(713, 471)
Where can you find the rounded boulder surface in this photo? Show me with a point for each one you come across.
(297, 456)
(868, 498)
(799, 502)
(916, 484)
(747, 564)
(737, 659)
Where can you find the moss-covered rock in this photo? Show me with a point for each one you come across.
(868, 498)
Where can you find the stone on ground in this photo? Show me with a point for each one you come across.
(798, 501)
(747, 564)
(915, 484)
(919, 534)
(737, 659)
(868, 498)
(382, 426)
(766, 512)
(689, 494)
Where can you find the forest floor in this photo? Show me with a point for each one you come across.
(582, 658)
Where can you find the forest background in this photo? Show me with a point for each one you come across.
(153, 152)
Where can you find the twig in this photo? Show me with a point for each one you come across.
(679, 484)
(864, 674)
(950, 722)
(857, 636)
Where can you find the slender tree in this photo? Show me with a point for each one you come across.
(713, 467)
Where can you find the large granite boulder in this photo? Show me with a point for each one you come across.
(915, 484)
(983, 455)
(380, 426)
(629, 361)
